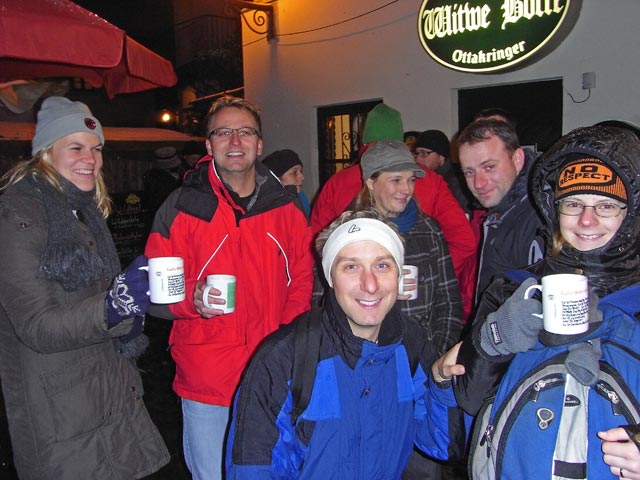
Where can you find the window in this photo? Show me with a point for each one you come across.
(339, 136)
(537, 107)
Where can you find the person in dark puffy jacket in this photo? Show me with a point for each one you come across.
(496, 170)
(591, 224)
(373, 396)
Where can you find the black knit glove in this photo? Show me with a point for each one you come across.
(128, 294)
(595, 315)
(515, 326)
(138, 328)
(134, 343)
(634, 434)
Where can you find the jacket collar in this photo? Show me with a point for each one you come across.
(203, 187)
(515, 194)
(355, 350)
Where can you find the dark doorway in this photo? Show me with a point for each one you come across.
(537, 107)
(339, 136)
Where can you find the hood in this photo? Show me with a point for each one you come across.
(617, 264)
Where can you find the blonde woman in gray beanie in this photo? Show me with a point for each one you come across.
(71, 322)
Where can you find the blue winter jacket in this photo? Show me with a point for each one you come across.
(366, 412)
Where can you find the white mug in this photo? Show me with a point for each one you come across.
(565, 303)
(166, 279)
(413, 274)
(227, 286)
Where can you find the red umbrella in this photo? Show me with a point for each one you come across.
(57, 38)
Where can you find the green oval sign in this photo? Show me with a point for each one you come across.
(492, 35)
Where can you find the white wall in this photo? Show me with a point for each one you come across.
(379, 56)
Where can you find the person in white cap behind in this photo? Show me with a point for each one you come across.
(70, 321)
(373, 395)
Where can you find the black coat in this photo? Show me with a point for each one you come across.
(511, 232)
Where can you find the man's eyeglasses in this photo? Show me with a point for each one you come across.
(603, 209)
(227, 132)
(422, 153)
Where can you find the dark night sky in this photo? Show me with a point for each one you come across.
(149, 22)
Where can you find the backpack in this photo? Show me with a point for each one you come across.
(542, 423)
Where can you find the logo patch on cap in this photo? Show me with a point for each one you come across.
(587, 173)
(353, 228)
(89, 123)
(590, 176)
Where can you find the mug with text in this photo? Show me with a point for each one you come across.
(227, 286)
(565, 303)
(413, 274)
(166, 279)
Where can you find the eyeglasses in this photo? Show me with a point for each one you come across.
(227, 132)
(422, 153)
(603, 209)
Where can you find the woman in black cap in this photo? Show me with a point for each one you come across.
(287, 166)
(71, 322)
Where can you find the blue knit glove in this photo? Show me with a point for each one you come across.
(515, 326)
(128, 294)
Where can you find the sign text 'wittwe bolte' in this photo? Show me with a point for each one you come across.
(493, 35)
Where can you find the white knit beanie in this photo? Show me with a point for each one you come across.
(358, 230)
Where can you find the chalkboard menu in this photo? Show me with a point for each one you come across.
(129, 224)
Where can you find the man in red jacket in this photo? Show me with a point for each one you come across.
(231, 216)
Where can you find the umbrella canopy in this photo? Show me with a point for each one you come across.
(57, 38)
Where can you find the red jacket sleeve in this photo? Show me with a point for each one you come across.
(335, 197)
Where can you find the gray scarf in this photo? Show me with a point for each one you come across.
(66, 258)
(70, 261)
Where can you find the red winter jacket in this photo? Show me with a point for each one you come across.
(268, 249)
(436, 200)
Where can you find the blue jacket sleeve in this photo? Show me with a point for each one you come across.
(441, 431)
(258, 414)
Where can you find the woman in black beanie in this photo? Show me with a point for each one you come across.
(287, 166)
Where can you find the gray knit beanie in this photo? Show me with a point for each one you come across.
(59, 117)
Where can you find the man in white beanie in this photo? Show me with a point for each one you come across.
(373, 395)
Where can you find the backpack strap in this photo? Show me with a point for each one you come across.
(307, 336)
(413, 344)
